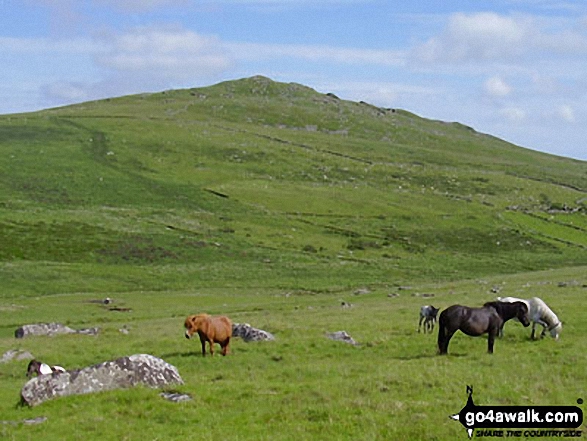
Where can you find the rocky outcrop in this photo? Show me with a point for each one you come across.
(342, 336)
(15, 354)
(50, 329)
(248, 333)
(121, 373)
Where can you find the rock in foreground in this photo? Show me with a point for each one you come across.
(50, 329)
(121, 373)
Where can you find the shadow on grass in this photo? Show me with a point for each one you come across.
(428, 355)
(183, 354)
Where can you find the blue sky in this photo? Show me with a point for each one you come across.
(516, 69)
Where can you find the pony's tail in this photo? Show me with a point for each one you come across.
(441, 333)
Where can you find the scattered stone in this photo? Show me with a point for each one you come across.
(342, 336)
(248, 333)
(362, 291)
(16, 354)
(176, 397)
(51, 329)
(32, 421)
(569, 283)
(346, 305)
(105, 301)
(393, 294)
(28, 422)
(121, 373)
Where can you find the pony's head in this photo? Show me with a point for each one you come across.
(522, 313)
(33, 368)
(555, 330)
(193, 324)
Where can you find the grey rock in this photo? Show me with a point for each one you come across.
(176, 397)
(51, 329)
(342, 336)
(16, 354)
(121, 373)
(248, 333)
(33, 421)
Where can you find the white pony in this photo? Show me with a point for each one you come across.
(539, 312)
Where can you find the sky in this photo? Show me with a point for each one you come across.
(515, 69)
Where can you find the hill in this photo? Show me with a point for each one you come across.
(258, 183)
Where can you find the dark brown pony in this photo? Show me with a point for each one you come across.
(210, 329)
(508, 311)
(471, 321)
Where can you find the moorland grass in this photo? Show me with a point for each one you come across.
(273, 203)
(303, 385)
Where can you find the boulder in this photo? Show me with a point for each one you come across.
(125, 372)
(248, 333)
(50, 329)
(16, 354)
(342, 336)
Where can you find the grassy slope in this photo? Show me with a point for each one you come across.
(313, 183)
(250, 198)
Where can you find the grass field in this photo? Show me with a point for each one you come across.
(273, 203)
(303, 385)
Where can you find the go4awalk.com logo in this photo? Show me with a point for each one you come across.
(518, 421)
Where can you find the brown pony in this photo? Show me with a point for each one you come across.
(210, 329)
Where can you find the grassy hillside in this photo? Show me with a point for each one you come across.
(254, 182)
(273, 203)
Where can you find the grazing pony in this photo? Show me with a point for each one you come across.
(40, 368)
(539, 313)
(210, 329)
(508, 311)
(471, 321)
(428, 316)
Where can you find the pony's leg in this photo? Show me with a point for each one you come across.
(225, 347)
(533, 335)
(447, 337)
(211, 348)
(444, 336)
(203, 347)
(420, 324)
(491, 339)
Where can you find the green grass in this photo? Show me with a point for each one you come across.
(302, 386)
(273, 203)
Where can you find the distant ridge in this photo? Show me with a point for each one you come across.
(280, 184)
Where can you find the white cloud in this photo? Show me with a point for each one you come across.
(137, 6)
(47, 45)
(491, 37)
(513, 114)
(322, 53)
(65, 92)
(167, 53)
(482, 36)
(497, 87)
(567, 113)
(65, 8)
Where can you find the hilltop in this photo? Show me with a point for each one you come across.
(259, 183)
